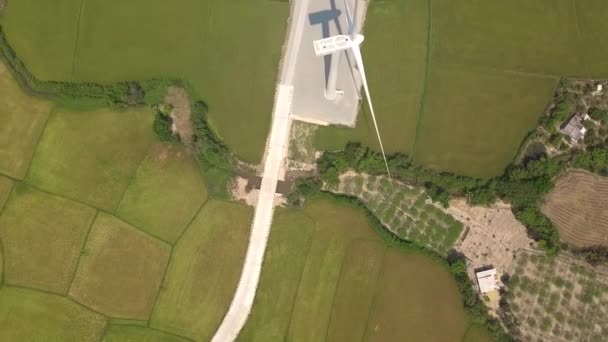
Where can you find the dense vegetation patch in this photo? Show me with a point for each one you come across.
(522, 185)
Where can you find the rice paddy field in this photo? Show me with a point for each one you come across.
(110, 235)
(459, 83)
(227, 50)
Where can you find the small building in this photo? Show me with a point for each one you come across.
(599, 90)
(487, 281)
(575, 128)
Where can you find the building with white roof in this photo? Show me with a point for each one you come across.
(487, 281)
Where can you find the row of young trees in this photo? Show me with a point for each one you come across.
(522, 185)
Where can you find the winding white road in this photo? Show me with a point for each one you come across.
(276, 150)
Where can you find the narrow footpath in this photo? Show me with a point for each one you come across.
(276, 150)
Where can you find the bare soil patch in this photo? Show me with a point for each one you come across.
(181, 113)
(121, 270)
(492, 234)
(578, 206)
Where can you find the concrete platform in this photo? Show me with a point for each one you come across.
(325, 18)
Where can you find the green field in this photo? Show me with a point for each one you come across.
(41, 229)
(27, 315)
(165, 193)
(91, 156)
(231, 67)
(203, 272)
(127, 333)
(486, 71)
(328, 275)
(23, 119)
(120, 270)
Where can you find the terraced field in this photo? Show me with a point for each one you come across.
(578, 206)
(404, 210)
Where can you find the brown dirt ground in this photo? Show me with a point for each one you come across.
(493, 234)
(578, 206)
(121, 270)
(181, 114)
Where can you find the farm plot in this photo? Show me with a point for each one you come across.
(491, 69)
(204, 271)
(91, 156)
(468, 130)
(165, 193)
(42, 236)
(531, 36)
(388, 321)
(591, 21)
(558, 299)
(120, 271)
(23, 118)
(6, 185)
(326, 272)
(27, 315)
(29, 24)
(404, 210)
(129, 333)
(578, 206)
(198, 41)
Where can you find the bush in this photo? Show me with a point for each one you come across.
(163, 125)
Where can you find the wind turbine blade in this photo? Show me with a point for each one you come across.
(352, 30)
(359, 60)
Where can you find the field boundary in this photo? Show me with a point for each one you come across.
(37, 144)
(162, 280)
(82, 251)
(374, 299)
(427, 73)
(132, 178)
(75, 53)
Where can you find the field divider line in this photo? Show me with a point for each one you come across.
(84, 243)
(427, 73)
(78, 24)
(171, 254)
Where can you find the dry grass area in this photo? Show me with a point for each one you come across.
(42, 236)
(120, 271)
(558, 299)
(578, 206)
(181, 113)
(492, 234)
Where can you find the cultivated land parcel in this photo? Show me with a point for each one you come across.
(457, 83)
(107, 233)
(227, 50)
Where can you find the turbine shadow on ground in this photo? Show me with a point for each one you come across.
(324, 18)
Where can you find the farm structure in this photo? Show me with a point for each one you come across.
(574, 128)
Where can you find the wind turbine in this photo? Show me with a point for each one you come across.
(334, 46)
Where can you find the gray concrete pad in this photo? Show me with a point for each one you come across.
(322, 19)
